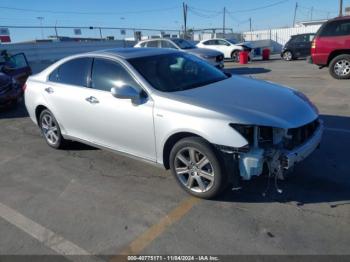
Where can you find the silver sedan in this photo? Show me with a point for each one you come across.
(171, 108)
(213, 57)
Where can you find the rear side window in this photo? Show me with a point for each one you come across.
(336, 28)
(107, 74)
(74, 72)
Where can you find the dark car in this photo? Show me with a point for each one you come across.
(331, 47)
(14, 71)
(298, 46)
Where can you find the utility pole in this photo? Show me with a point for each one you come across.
(340, 7)
(311, 13)
(223, 23)
(295, 13)
(250, 29)
(40, 18)
(184, 7)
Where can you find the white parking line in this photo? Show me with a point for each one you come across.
(50, 239)
(337, 130)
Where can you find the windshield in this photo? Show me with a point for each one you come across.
(232, 41)
(176, 72)
(183, 44)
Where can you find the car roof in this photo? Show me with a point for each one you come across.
(304, 34)
(131, 52)
(345, 17)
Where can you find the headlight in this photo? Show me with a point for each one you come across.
(204, 56)
(247, 131)
(264, 136)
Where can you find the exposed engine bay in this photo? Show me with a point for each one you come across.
(274, 151)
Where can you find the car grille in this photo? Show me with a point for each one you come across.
(298, 136)
(219, 58)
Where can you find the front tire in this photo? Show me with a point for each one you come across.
(339, 67)
(51, 130)
(288, 56)
(197, 167)
(235, 56)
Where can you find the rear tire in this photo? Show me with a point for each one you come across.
(339, 67)
(51, 130)
(197, 168)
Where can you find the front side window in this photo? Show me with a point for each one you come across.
(107, 74)
(74, 72)
(183, 44)
(209, 42)
(152, 44)
(176, 72)
(167, 44)
(222, 42)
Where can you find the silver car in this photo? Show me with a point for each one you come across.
(213, 57)
(171, 108)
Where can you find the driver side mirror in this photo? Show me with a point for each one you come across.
(125, 92)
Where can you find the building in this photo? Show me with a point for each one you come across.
(310, 23)
(347, 10)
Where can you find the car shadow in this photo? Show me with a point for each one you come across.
(324, 177)
(77, 146)
(17, 111)
(247, 70)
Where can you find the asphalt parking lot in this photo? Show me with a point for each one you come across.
(89, 201)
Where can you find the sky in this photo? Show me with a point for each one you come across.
(157, 14)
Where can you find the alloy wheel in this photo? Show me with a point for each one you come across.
(194, 170)
(49, 128)
(287, 56)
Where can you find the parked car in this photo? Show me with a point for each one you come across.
(229, 47)
(331, 47)
(14, 71)
(176, 110)
(215, 58)
(298, 46)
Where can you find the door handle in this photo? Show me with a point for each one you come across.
(92, 100)
(49, 90)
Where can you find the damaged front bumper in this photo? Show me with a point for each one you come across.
(277, 158)
(290, 158)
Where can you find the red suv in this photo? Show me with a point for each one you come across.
(331, 47)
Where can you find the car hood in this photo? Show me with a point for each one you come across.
(247, 44)
(203, 51)
(248, 101)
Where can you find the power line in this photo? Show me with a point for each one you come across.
(260, 7)
(205, 10)
(89, 13)
(202, 15)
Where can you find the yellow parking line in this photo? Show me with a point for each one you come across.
(143, 240)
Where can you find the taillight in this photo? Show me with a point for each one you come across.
(24, 87)
(313, 44)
